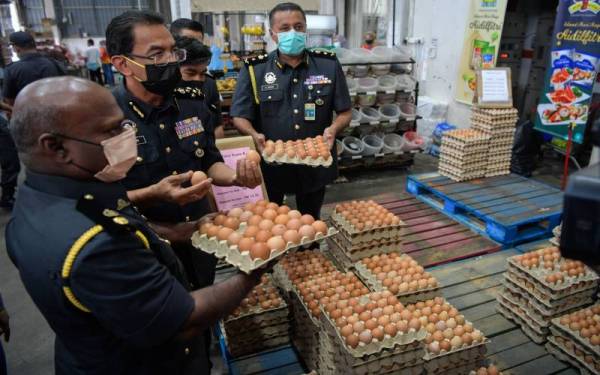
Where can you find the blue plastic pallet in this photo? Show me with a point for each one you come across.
(509, 209)
(282, 360)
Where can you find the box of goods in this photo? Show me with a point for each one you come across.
(259, 323)
(463, 154)
(371, 334)
(452, 343)
(252, 236)
(575, 338)
(540, 286)
(307, 296)
(400, 274)
(314, 152)
(299, 266)
(365, 228)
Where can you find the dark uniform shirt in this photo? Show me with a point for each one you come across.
(174, 138)
(213, 98)
(129, 295)
(275, 105)
(31, 67)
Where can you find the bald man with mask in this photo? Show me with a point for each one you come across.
(113, 292)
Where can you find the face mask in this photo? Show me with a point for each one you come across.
(291, 43)
(369, 41)
(121, 153)
(160, 80)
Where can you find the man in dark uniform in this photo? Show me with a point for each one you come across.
(112, 290)
(186, 27)
(291, 94)
(31, 67)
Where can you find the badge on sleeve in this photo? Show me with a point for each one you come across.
(188, 127)
(310, 112)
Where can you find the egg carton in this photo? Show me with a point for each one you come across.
(254, 336)
(569, 304)
(559, 329)
(532, 334)
(462, 165)
(242, 261)
(574, 346)
(375, 285)
(463, 170)
(259, 318)
(467, 148)
(570, 286)
(460, 369)
(365, 236)
(318, 162)
(305, 334)
(460, 177)
(239, 349)
(363, 250)
(483, 123)
(461, 157)
(540, 327)
(570, 357)
(453, 359)
(496, 111)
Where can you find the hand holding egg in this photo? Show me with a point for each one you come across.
(170, 188)
(248, 171)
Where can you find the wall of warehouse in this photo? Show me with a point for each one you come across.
(445, 21)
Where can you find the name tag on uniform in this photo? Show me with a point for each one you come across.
(188, 127)
(310, 112)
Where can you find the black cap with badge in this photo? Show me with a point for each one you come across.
(21, 39)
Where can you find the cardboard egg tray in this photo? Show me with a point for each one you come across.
(496, 112)
(375, 285)
(571, 357)
(463, 165)
(241, 348)
(560, 307)
(460, 369)
(356, 237)
(460, 177)
(456, 358)
(483, 123)
(242, 261)
(464, 137)
(575, 345)
(452, 156)
(533, 334)
(281, 278)
(560, 329)
(465, 148)
(305, 333)
(554, 291)
(500, 172)
(541, 329)
(362, 250)
(318, 162)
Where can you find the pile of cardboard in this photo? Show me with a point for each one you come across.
(464, 154)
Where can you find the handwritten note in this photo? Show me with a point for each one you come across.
(235, 196)
(494, 86)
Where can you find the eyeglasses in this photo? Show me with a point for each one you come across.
(164, 58)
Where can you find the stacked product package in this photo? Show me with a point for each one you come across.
(259, 323)
(575, 338)
(540, 286)
(365, 229)
(464, 154)
(500, 125)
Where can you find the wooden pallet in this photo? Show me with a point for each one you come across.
(471, 286)
(510, 209)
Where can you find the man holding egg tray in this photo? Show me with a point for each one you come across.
(291, 94)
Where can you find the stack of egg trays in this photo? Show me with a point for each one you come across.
(392, 356)
(347, 256)
(370, 280)
(462, 369)
(499, 124)
(463, 154)
(568, 346)
(356, 237)
(305, 332)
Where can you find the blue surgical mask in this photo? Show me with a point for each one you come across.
(291, 42)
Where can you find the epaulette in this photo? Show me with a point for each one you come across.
(109, 219)
(322, 53)
(256, 60)
(189, 93)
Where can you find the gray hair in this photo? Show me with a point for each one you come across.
(30, 122)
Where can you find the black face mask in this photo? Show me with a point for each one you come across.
(161, 80)
(194, 84)
(369, 41)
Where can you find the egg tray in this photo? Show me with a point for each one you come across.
(569, 304)
(366, 236)
(521, 315)
(571, 345)
(305, 334)
(460, 177)
(497, 173)
(522, 305)
(463, 170)
(559, 329)
(532, 334)
(463, 165)
(496, 112)
(484, 124)
(455, 358)
(253, 337)
(462, 158)
(242, 261)
(467, 148)
(460, 369)
(375, 285)
(318, 162)
(571, 284)
(262, 318)
(264, 343)
(365, 249)
(572, 358)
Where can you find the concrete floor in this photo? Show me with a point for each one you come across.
(30, 350)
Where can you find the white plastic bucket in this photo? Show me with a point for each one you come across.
(352, 146)
(361, 55)
(372, 144)
(412, 141)
(356, 115)
(408, 109)
(387, 83)
(369, 114)
(392, 143)
(389, 112)
(381, 69)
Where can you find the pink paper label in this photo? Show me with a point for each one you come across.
(234, 196)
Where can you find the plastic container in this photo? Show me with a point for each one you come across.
(392, 143)
(367, 84)
(344, 55)
(389, 112)
(356, 115)
(360, 70)
(361, 55)
(412, 141)
(381, 69)
(352, 146)
(383, 54)
(352, 84)
(408, 109)
(387, 83)
(369, 114)
(405, 82)
(373, 144)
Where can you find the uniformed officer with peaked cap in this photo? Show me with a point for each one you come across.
(289, 94)
(114, 292)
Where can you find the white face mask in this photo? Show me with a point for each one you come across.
(121, 153)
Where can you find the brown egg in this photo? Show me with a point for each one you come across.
(307, 231)
(278, 229)
(320, 227)
(276, 243)
(307, 219)
(262, 236)
(234, 238)
(282, 219)
(390, 329)
(371, 324)
(269, 214)
(292, 236)
(352, 340)
(266, 224)
(260, 250)
(224, 233)
(294, 214)
(346, 330)
(365, 336)
(219, 219)
(438, 336)
(232, 222)
(293, 223)
(245, 244)
(377, 334)
(255, 220)
(251, 231)
(203, 229)
(198, 177)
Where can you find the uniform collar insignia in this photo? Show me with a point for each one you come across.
(121, 204)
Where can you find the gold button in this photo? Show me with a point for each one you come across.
(295, 96)
(161, 126)
(139, 159)
(168, 149)
(199, 152)
(297, 127)
(295, 80)
(121, 220)
(295, 111)
(187, 351)
(88, 197)
(174, 173)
